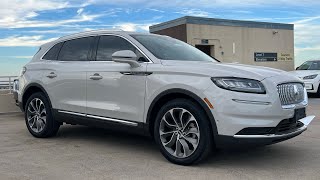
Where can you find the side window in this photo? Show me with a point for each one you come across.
(52, 54)
(110, 44)
(76, 50)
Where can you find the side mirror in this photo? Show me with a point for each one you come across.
(126, 56)
(297, 67)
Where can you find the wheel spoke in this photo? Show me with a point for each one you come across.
(192, 141)
(188, 122)
(178, 152)
(43, 112)
(174, 118)
(186, 149)
(172, 141)
(33, 122)
(192, 131)
(38, 104)
(167, 123)
(166, 133)
(33, 107)
(182, 111)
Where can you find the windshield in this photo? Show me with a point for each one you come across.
(167, 48)
(310, 65)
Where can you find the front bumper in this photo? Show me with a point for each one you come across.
(311, 85)
(258, 140)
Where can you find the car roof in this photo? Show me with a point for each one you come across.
(95, 32)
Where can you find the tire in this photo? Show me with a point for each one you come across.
(318, 92)
(38, 116)
(186, 150)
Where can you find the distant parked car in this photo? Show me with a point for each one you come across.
(309, 73)
(163, 87)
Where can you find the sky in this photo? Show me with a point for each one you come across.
(26, 24)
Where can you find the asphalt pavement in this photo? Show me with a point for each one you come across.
(79, 152)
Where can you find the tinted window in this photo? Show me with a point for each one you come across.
(52, 54)
(110, 44)
(167, 48)
(75, 50)
(310, 65)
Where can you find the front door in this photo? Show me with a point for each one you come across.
(115, 90)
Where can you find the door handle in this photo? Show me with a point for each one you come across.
(51, 75)
(96, 76)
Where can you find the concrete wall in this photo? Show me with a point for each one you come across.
(7, 103)
(246, 41)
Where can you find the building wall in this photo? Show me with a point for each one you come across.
(178, 32)
(238, 44)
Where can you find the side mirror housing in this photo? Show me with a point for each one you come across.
(297, 67)
(126, 56)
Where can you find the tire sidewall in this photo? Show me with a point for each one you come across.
(203, 123)
(49, 119)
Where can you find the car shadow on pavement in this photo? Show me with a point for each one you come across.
(128, 142)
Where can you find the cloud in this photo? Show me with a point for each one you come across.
(21, 13)
(17, 23)
(24, 41)
(207, 3)
(79, 11)
(17, 57)
(194, 12)
(132, 26)
(307, 38)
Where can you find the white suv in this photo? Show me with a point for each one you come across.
(159, 86)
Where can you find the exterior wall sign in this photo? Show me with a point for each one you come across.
(204, 41)
(285, 57)
(262, 57)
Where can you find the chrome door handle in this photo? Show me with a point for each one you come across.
(51, 75)
(96, 76)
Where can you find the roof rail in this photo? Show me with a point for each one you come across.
(92, 31)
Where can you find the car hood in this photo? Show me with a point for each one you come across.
(226, 69)
(303, 73)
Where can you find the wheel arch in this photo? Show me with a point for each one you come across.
(170, 94)
(31, 89)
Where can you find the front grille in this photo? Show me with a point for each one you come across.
(291, 93)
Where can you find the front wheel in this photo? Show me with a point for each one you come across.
(38, 117)
(183, 133)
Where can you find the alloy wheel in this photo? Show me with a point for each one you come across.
(179, 132)
(36, 115)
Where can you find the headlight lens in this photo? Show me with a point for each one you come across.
(310, 76)
(239, 84)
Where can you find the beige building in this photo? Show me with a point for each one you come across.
(247, 42)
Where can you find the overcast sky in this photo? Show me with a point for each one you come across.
(26, 24)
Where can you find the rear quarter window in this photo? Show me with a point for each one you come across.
(53, 53)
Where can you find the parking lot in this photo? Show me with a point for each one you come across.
(80, 152)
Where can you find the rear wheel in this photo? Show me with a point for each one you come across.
(38, 117)
(183, 132)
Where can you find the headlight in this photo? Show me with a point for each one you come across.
(311, 76)
(239, 84)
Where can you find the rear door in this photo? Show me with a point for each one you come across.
(118, 90)
(65, 76)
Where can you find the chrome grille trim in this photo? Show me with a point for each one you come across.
(291, 93)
